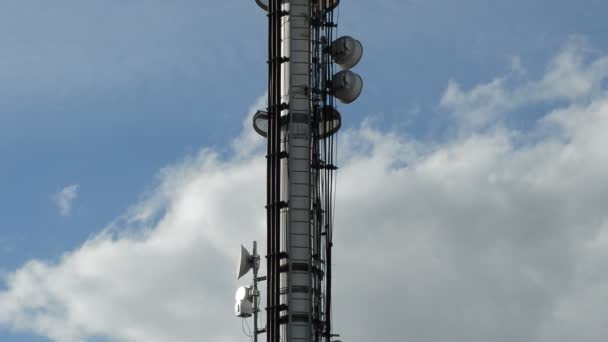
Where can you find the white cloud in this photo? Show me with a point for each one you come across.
(569, 77)
(65, 198)
(475, 239)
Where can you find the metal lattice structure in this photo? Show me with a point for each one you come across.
(300, 125)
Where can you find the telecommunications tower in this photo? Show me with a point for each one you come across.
(300, 125)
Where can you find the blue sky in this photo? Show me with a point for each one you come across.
(105, 94)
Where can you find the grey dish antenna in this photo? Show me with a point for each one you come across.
(346, 52)
(347, 86)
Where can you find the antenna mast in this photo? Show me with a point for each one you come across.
(300, 125)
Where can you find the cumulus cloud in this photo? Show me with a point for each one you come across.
(65, 198)
(570, 77)
(478, 238)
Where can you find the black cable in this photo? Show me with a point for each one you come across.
(243, 322)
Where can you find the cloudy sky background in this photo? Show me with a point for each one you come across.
(471, 195)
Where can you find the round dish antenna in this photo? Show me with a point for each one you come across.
(347, 86)
(346, 52)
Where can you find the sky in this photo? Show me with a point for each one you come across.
(471, 191)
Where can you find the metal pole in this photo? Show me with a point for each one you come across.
(274, 172)
(256, 293)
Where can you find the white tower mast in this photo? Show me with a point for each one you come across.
(300, 125)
